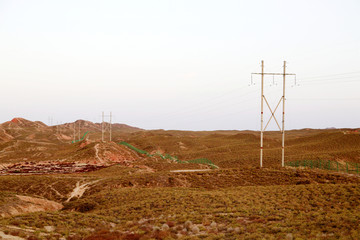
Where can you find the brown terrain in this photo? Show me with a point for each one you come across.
(18, 204)
(26, 143)
(34, 148)
(52, 188)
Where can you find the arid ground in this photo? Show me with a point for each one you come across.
(54, 188)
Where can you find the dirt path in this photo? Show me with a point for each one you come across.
(6, 134)
(97, 153)
(37, 142)
(5, 150)
(56, 191)
(80, 189)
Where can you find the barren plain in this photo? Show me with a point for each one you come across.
(52, 187)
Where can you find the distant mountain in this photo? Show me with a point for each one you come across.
(23, 129)
(94, 127)
(22, 140)
(125, 128)
(22, 123)
(83, 124)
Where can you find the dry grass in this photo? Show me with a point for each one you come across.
(144, 200)
(238, 149)
(304, 211)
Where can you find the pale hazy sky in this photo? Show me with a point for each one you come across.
(181, 64)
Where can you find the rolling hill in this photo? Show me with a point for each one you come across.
(107, 190)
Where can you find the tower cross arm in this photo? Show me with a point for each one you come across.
(275, 73)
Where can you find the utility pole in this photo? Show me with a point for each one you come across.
(282, 99)
(106, 126)
(59, 127)
(74, 131)
(283, 121)
(102, 127)
(79, 131)
(110, 125)
(262, 114)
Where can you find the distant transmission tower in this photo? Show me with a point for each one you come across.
(106, 126)
(282, 99)
(79, 131)
(50, 120)
(74, 126)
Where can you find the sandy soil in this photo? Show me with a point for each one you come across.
(29, 204)
(80, 189)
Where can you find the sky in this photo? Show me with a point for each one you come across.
(182, 65)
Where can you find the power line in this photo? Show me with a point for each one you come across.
(208, 105)
(325, 99)
(198, 106)
(236, 103)
(206, 101)
(331, 78)
(331, 75)
(330, 81)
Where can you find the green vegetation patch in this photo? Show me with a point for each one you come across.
(172, 158)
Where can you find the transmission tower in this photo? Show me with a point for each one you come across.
(79, 130)
(106, 126)
(57, 128)
(282, 99)
(50, 120)
(76, 133)
(74, 128)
